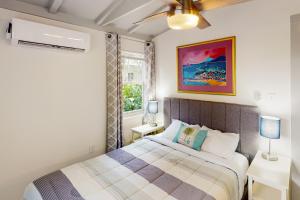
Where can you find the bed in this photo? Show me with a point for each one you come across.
(157, 168)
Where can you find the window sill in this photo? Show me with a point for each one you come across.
(135, 113)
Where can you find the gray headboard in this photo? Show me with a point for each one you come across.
(234, 118)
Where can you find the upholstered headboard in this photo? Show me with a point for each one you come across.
(233, 118)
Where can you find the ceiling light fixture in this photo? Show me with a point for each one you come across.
(183, 17)
(183, 21)
(187, 14)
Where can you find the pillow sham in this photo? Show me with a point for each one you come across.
(172, 130)
(220, 144)
(190, 136)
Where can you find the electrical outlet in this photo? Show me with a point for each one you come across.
(92, 149)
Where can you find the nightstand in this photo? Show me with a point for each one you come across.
(146, 130)
(269, 180)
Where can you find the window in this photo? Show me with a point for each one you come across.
(130, 77)
(133, 65)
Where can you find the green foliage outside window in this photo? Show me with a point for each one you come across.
(132, 97)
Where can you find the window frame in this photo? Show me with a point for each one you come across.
(138, 111)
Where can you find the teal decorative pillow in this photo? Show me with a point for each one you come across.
(190, 136)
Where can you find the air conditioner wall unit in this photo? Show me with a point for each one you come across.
(23, 32)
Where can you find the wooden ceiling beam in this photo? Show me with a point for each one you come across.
(111, 8)
(136, 27)
(35, 10)
(127, 8)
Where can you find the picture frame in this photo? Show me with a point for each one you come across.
(207, 67)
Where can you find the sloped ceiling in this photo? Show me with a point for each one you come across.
(105, 15)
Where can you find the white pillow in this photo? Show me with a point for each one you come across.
(172, 130)
(220, 144)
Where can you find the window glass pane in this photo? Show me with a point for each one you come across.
(133, 80)
(132, 97)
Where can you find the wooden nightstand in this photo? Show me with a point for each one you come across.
(269, 180)
(146, 129)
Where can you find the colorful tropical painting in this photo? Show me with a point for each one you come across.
(207, 67)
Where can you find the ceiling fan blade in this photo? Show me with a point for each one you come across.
(173, 2)
(213, 4)
(180, 2)
(203, 23)
(152, 17)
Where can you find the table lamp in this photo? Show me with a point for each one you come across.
(270, 128)
(153, 110)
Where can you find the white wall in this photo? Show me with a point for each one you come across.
(52, 107)
(262, 28)
(295, 85)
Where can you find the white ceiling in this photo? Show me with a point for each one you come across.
(88, 9)
(106, 15)
(42, 3)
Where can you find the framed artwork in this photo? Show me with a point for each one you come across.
(207, 67)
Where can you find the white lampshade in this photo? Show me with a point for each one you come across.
(153, 107)
(183, 21)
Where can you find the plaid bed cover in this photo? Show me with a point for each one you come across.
(144, 170)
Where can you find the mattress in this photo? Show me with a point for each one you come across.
(153, 168)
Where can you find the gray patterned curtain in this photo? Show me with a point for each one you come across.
(114, 92)
(150, 77)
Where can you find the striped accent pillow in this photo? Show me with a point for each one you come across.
(190, 136)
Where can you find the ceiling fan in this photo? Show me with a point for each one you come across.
(186, 14)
